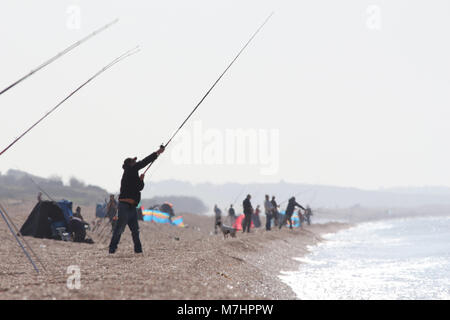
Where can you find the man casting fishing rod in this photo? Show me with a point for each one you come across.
(289, 211)
(131, 186)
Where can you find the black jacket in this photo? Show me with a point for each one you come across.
(291, 206)
(275, 205)
(131, 185)
(248, 209)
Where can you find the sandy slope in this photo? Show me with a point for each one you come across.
(178, 263)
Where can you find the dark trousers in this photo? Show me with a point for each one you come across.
(247, 222)
(127, 215)
(217, 224)
(287, 218)
(275, 216)
(268, 221)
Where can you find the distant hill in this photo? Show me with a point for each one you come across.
(19, 185)
(428, 190)
(315, 195)
(201, 197)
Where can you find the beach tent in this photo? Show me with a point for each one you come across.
(161, 217)
(238, 223)
(295, 220)
(66, 207)
(43, 220)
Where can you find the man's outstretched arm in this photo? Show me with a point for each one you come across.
(152, 157)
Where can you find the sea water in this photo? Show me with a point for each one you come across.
(405, 259)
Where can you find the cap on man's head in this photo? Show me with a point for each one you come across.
(128, 161)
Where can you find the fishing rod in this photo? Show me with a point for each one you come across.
(112, 63)
(18, 241)
(214, 84)
(46, 63)
(20, 234)
(42, 190)
(240, 194)
(297, 194)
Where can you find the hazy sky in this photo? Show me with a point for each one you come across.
(349, 93)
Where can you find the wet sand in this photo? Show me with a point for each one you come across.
(177, 263)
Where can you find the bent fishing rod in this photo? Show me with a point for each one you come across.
(214, 84)
(112, 63)
(60, 54)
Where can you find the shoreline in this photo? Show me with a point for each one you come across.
(178, 263)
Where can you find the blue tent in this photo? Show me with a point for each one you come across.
(295, 220)
(100, 210)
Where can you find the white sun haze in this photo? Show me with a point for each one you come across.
(358, 90)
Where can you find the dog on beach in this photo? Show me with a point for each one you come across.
(227, 230)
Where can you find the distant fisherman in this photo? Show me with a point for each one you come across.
(289, 211)
(268, 208)
(217, 218)
(130, 195)
(232, 214)
(308, 214)
(111, 211)
(255, 217)
(275, 213)
(248, 211)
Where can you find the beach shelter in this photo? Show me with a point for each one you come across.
(238, 223)
(43, 220)
(66, 207)
(161, 217)
(295, 219)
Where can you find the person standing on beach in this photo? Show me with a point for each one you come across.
(232, 214)
(248, 211)
(275, 213)
(255, 217)
(131, 186)
(268, 208)
(289, 211)
(111, 211)
(308, 214)
(217, 218)
(301, 217)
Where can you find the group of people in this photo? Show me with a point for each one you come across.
(271, 211)
(124, 211)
